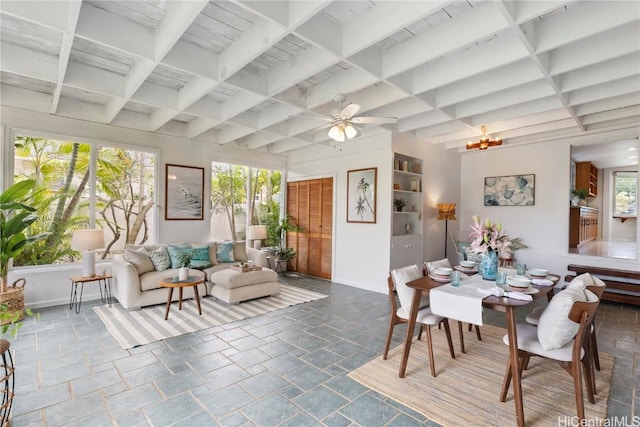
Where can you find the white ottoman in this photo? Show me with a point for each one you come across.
(232, 286)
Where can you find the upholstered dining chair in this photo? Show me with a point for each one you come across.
(429, 268)
(595, 285)
(426, 319)
(575, 308)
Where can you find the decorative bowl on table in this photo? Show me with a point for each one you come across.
(518, 281)
(538, 273)
(442, 271)
(467, 264)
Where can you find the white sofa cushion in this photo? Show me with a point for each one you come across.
(231, 279)
(139, 257)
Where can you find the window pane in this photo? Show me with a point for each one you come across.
(124, 196)
(229, 201)
(625, 193)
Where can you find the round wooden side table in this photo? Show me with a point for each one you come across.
(174, 282)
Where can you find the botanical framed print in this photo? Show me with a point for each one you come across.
(361, 195)
(511, 190)
(184, 193)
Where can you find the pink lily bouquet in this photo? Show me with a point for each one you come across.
(488, 236)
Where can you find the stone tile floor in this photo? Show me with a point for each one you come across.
(285, 368)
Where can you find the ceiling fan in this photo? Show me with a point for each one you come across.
(342, 124)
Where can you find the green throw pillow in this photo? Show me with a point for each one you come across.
(179, 255)
(200, 254)
(225, 252)
(160, 259)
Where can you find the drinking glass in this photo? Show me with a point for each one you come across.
(521, 269)
(455, 278)
(501, 278)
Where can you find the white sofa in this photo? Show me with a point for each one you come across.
(134, 290)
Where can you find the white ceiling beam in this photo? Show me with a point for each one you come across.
(382, 21)
(131, 119)
(94, 79)
(431, 132)
(200, 125)
(260, 139)
(613, 103)
(422, 120)
(510, 75)
(239, 103)
(529, 120)
(348, 81)
(568, 123)
(77, 109)
(175, 22)
(98, 25)
(276, 11)
(251, 44)
(159, 118)
(523, 11)
(401, 108)
(132, 85)
(247, 119)
(157, 96)
(606, 116)
(604, 90)
(298, 69)
(65, 50)
(491, 55)
(368, 60)
(443, 39)
(26, 62)
(519, 110)
(195, 89)
(193, 60)
(617, 68)
(577, 23)
(206, 108)
(276, 114)
(287, 145)
(504, 98)
(232, 132)
(53, 14)
(623, 123)
(605, 47)
(322, 31)
(25, 99)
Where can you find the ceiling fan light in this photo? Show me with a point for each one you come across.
(334, 133)
(350, 131)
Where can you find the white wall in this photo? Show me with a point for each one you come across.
(543, 227)
(360, 251)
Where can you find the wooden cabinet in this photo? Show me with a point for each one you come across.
(587, 178)
(583, 225)
(406, 225)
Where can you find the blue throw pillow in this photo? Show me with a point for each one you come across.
(200, 264)
(179, 255)
(225, 252)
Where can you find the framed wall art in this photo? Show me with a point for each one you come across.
(184, 192)
(511, 190)
(361, 195)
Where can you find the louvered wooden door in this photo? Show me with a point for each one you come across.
(310, 205)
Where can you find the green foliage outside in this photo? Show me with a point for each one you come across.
(625, 194)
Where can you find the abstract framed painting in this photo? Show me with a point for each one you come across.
(510, 190)
(184, 193)
(361, 195)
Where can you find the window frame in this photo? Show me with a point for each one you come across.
(614, 174)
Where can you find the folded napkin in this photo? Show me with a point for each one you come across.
(499, 292)
(542, 282)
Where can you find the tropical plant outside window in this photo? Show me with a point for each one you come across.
(230, 203)
(625, 193)
(122, 192)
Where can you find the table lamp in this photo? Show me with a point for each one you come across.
(87, 241)
(446, 211)
(257, 233)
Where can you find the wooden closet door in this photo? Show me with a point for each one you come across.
(310, 205)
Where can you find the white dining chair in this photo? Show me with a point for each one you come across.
(425, 318)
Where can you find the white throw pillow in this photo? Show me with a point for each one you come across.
(555, 329)
(139, 258)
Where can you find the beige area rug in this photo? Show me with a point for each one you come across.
(466, 390)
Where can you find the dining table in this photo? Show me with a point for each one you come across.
(501, 304)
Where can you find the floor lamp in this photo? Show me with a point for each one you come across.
(446, 211)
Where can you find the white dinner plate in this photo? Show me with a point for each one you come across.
(529, 291)
(466, 269)
(441, 279)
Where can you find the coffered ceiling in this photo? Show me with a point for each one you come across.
(251, 73)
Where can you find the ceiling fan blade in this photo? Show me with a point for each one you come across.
(349, 111)
(375, 120)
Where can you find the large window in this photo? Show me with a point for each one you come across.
(625, 193)
(241, 195)
(118, 198)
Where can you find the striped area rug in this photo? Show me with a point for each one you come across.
(144, 326)
(466, 390)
